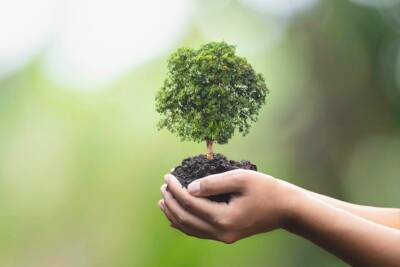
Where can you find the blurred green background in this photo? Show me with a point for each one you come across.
(81, 161)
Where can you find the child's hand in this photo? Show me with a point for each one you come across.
(259, 203)
(262, 203)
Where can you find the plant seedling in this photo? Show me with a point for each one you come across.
(207, 95)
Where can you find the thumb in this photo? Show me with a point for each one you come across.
(227, 182)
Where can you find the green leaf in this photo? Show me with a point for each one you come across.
(209, 93)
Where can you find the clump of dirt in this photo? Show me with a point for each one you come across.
(196, 167)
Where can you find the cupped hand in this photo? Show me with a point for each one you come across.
(259, 203)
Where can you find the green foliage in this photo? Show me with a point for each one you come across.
(209, 93)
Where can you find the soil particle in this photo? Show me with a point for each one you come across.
(196, 167)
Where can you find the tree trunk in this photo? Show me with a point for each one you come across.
(210, 153)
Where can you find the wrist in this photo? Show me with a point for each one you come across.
(291, 200)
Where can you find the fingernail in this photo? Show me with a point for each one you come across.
(163, 187)
(166, 178)
(194, 188)
(175, 180)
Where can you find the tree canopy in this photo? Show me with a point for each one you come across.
(209, 93)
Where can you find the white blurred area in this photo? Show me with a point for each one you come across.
(281, 9)
(98, 40)
(25, 28)
(87, 43)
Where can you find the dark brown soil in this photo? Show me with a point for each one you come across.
(199, 166)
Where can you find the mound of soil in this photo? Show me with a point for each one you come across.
(196, 167)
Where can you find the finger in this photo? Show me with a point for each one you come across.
(166, 176)
(174, 224)
(187, 230)
(166, 212)
(203, 208)
(183, 217)
(227, 182)
(193, 232)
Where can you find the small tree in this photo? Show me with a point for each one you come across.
(209, 93)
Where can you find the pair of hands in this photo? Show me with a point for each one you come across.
(359, 235)
(259, 203)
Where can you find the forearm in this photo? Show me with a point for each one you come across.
(354, 239)
(385, 216)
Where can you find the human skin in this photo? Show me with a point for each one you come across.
(359, 235)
